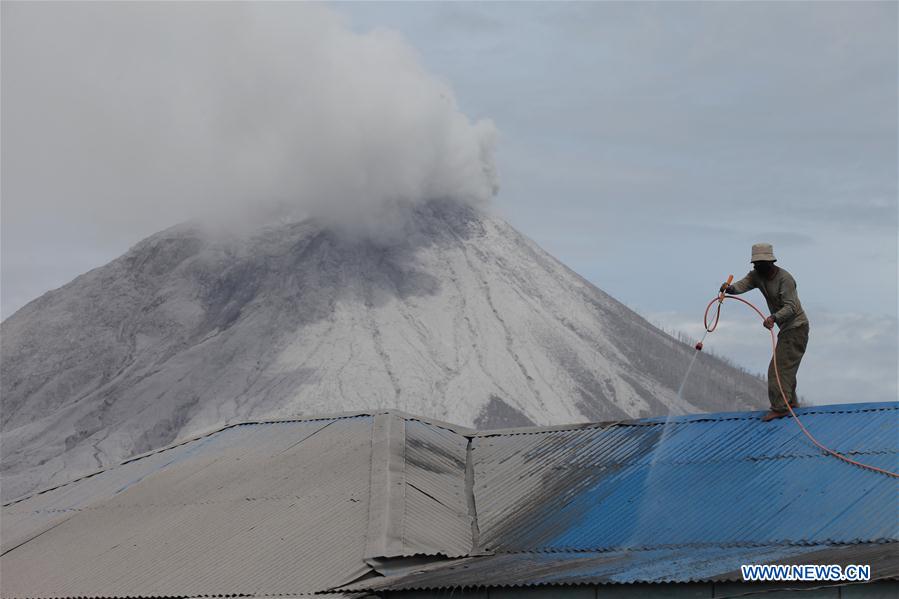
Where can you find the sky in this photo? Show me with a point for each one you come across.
(645, 145)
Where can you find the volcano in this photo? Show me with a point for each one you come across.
(462, 319)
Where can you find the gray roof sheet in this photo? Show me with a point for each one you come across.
(238, 518)
(437, 506)
(258, 509)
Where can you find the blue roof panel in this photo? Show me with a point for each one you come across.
(726, 479)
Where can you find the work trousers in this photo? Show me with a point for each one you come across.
(791, 346)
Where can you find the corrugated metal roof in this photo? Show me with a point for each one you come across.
(727, 480)
(693, 564)
(294, 507)
(237, 516)
(267, 508)
(437, 511)
(24, 517)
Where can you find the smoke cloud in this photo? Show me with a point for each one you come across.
(157, 112)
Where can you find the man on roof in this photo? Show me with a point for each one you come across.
(779, 289)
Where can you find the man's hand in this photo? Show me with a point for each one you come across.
(769, 323)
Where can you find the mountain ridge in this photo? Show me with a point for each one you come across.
(461, 318)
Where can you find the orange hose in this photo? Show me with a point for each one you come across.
(817, 443)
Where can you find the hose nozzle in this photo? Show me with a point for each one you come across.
(730, 279)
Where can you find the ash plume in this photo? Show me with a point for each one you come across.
(175, 111)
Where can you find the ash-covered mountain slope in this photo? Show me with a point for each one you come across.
(464, 320)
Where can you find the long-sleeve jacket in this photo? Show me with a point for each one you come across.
(780, 293)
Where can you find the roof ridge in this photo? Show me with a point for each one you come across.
(689, 419)
(387, 505)
(460, 430)
(472, 433)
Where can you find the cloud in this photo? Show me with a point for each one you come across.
(138, 115)
(467, 20)
(851, 357)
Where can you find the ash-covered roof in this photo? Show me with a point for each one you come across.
(390, 501)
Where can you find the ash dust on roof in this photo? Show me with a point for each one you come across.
(386, 500)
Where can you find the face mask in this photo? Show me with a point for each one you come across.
(764, 268)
